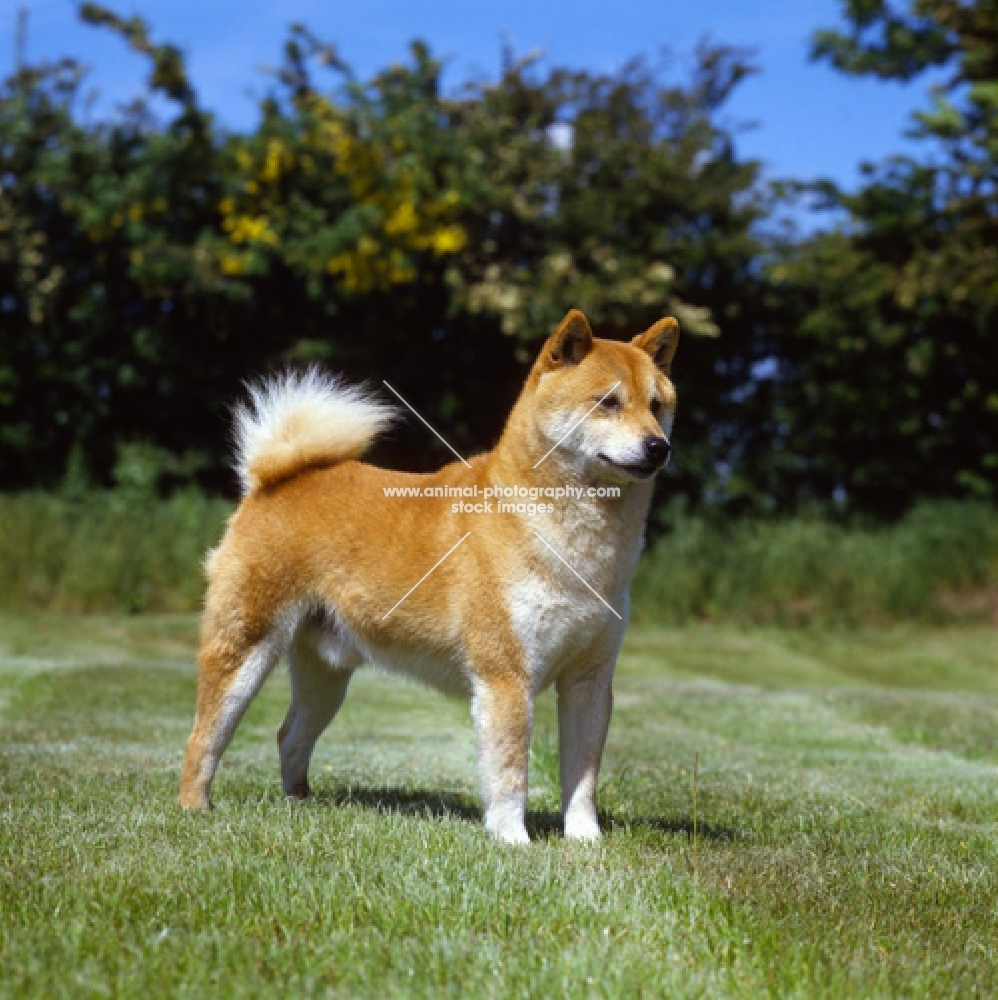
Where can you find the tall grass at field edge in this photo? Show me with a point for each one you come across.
(106, 550)
(130, 550)
(936, 564)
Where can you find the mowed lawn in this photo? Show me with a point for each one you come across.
(847, 840)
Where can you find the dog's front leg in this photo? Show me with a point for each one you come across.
(503, 711)
(584, 705)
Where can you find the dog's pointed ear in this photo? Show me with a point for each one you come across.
(569, 344)
(660, 342)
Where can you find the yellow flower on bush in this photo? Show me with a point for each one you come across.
(449, 239)
(250, 229)
(402, 220)
(232, 263)
(277, 158)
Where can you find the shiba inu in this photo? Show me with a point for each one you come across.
(321, 561)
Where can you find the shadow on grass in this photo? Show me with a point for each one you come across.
(543, 824)
(407, 801)
(671, 827)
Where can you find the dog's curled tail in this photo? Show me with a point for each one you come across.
(302, 420)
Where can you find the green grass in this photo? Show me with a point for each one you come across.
(847, 816)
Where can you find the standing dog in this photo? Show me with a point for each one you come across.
(319, 553)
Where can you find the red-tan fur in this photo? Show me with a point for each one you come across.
(316, 555)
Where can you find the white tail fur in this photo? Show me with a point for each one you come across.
(297, 421)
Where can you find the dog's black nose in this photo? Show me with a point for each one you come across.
(657, 449)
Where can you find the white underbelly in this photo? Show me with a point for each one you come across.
(444, 673)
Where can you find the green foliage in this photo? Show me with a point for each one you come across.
(894, 41)
(391, 230)
(382, 227)
(888, 361)
(937, 563)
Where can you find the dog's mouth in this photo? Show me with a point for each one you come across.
(636, 470)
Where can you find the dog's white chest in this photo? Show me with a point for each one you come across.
(559, 626)
(568, 604)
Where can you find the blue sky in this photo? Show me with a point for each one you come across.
(809, 121)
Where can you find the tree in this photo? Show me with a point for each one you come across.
(887, 387)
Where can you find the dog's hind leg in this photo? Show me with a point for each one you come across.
(231, 670)
(320, 672)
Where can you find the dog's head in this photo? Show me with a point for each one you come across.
(609, 406)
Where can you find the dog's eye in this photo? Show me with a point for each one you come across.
(610, 403)
(656, 408)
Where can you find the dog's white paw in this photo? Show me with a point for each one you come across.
(506, 825)
(582, 828)
(511, 835)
